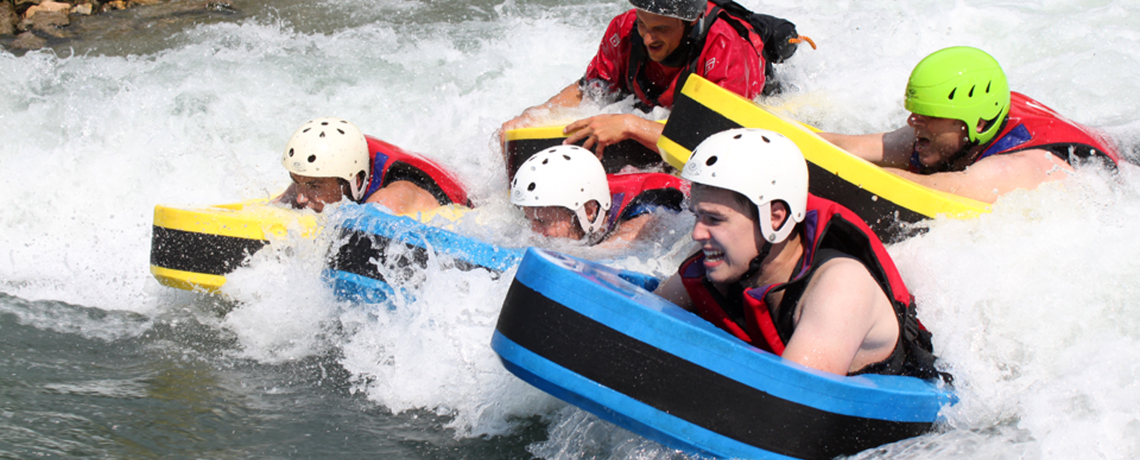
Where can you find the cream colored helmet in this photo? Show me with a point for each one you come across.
(762, 165)
(568, 176)
(330, 147)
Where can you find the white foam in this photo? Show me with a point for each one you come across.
(1032, 306)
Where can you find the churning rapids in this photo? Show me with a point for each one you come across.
(1034, 307)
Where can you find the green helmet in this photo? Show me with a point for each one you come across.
(961, 83)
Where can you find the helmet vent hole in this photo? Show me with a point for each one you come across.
(530, 188)
(711, 161)
(306, 130)
(290, 152)
(566, 157)
(971, 91)
(322, 134)
(766, 140)
(312, 158)
(324, 123)
(546, 161)
(340, 130)
(952, 94)
(988, 87)
(738, 136)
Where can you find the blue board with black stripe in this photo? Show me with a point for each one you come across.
(582, 332)
(366, 235)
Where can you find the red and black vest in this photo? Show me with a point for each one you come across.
(690, 56)
(391, 164)
(829, 231)
(640, 193)
(1031, 125)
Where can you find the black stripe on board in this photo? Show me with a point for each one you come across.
(691, 122)
(885, 217)
(615, 157)
(684, 389)
(199, 252)
(363, 253)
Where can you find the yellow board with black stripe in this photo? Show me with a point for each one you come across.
(194, 248)
(882, 199)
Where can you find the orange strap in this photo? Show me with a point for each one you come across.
(803, 38)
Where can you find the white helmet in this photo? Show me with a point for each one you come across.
(330, 147)
(762, 165)
(568, 176)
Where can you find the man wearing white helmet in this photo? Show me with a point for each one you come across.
(565, 193)
(650, 50)
(790, 273)
(330, 159)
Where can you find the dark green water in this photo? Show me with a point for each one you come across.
(166, 387)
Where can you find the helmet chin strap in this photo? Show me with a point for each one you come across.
(587, 225)
(957, 156)
(754, 264)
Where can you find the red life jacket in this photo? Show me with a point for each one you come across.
(1032, 125)
(391, 163)
(640, 193)
(726, 57)
(829, 227)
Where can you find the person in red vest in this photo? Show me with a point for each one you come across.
(648, 52)
(969, 135)
(790, 273)
(565, 193)
(330, 159)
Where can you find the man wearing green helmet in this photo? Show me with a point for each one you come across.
(968, 134)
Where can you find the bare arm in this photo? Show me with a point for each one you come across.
(570, 96)
(605, 130)
(674, 291)
(844, 322)
(995, 176)
(891, 149)
(627, 232)
(404, 198)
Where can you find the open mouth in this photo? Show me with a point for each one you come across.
(921, 143)
(712, 255)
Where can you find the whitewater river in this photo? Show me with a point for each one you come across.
(1035, 307)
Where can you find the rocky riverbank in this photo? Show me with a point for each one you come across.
(34, 24)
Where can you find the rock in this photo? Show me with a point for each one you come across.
(46, 21)
(23, 5)
(8, 18)
(47, 7)
(84, 9)
(115, 5)
(223, 6)
(28, 41)
(134, 3)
